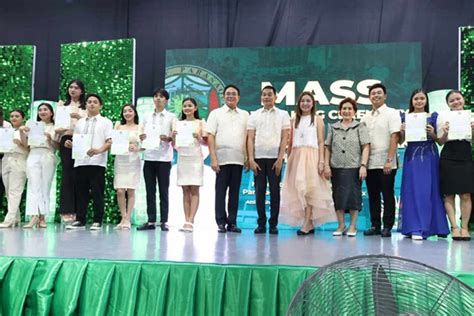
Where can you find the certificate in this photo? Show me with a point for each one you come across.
(6, 139)
(459, 125)
(415, 130)
(120, 142)
(62, 117)
(36, 135)
(184, 133)
(81, 143)
(152, 140)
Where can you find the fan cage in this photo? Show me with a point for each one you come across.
(381, 285)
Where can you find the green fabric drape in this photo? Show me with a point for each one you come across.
(52, 286)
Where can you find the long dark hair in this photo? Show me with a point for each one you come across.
(411, 108)
(82, 97)
(196, 113)
(299, 113)
(49, 107)
(123, 121)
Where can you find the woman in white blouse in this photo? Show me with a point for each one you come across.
(14, 171)
(40, 165)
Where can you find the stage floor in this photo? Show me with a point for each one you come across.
(208, 246)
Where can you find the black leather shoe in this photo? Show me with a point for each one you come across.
(221, 228)
(274, 230)
(372, 231)
(386, 232)
(164, 227)
(146, 226)
(233, 229)
(260, 230)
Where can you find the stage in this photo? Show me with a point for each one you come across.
(55, 271)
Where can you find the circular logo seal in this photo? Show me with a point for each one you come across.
(183, 81)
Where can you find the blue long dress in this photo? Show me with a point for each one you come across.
(422, 210)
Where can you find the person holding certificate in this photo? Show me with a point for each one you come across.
(189, 133)
(421, 206)
(91, 141)
(456, 170)
(67, 114)
(157, 142)
(3, 124)
(40, 165)
(127, 165)
(14, 170)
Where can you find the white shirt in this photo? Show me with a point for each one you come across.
(49, 129)
(381, 123)
(101, 129)
(306, 135)
(229, 126)
(268, 126)
(165, 120)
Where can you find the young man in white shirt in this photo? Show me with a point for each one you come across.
(268, 131)
(384, 129)
(89, 172)
(157, 165)
(227, 134)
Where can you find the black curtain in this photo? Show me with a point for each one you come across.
(161, 25)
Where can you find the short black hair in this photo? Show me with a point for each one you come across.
(378, 85)
(161, 92)
(271, 88)
(95, 95)
(232, 86)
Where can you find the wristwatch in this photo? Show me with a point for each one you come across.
(363, 165)
(389, 160)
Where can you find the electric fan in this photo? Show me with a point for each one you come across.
(382, 286)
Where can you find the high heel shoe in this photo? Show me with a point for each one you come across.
(300, 232)
(465, 234)
(8, 224)
(455, 233)
(42, 222)
(34, 221)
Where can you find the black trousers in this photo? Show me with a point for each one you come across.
(157, 171)
(266, 173)
(67, 195)
(229, 177)
(379, 183)
(90, 179)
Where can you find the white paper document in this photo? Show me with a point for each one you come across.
(415, 127)
(184, 133)
(6, 140)
(81, 143)
(120, 142)
(62, 117)
(152, 140)
(36, 135)
(459, 125)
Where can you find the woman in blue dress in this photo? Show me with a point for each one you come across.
(421, 205)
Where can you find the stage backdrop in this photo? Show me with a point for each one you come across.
(17, 72)
(331, 72)
(106, 68)
(466, 67)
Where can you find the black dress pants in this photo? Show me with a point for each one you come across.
(90, 179)
(229, 177)
(153, 172)
(379, 183)
(267, 173)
